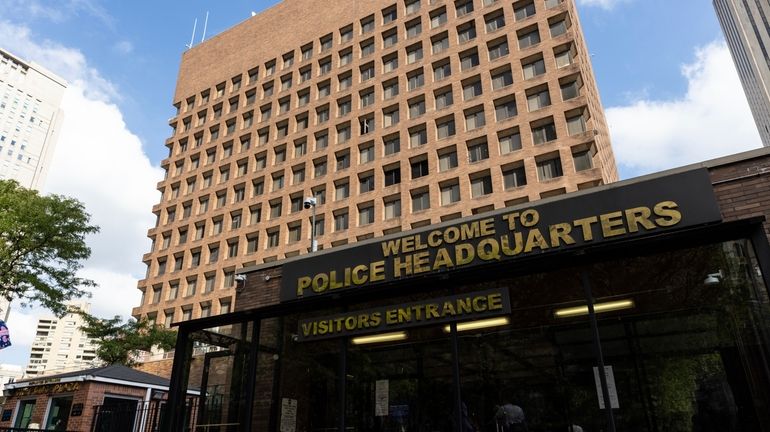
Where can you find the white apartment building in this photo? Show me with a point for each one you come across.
(30, 119)
(60, 345)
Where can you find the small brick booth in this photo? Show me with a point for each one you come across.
(507, 317)
(111, 398)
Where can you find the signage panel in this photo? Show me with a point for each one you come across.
(630, 211)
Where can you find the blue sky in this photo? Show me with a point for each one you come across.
(657, 62)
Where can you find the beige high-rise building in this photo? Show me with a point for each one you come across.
(30, 119)
(391, 114)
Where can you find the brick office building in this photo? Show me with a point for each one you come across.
(393, 115)
(663, 280)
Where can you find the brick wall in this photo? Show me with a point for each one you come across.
(262, 288)
(743, 189)
(160, 368)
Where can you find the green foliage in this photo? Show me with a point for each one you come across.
(42, 245)
(119, 343)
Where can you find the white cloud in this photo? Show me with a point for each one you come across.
(711, 119)
(124, 47)
(57, 11)
(604, 4)
(99, 161)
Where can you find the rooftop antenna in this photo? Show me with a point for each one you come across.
(253, 13)
(192, 38)
(205, 25)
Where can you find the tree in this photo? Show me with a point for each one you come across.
(120, 343)
(42, 246)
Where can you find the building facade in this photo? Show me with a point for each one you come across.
(60, 345)
(503, 321)
(746, 29)
(391, 115)
(30, 119)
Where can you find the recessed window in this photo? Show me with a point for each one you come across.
(366, 215)
(544, 132)
(440, 43)
(438, 17)
(392, 175)
(366, 153)
(469, 59)
(450, 193)
(505, 108)
(341, 221)
(389, 38)
(389, 15)
(466, 32)
(471, 89)
(478, 151)
(390, 63)
(502, 78)
(559, 26)
(576, 123)
(346, 34)
(510, 141)
(367, 24)
(549, 169)
(390, 116)
(414, 53)
(391, 145)
(514, 176)
(445, 128)
(565, 55)
(412, 6)
(319, 167)
(343, 160)
(583, 159)
(416, 107)
(416, 79)
(444, 98)
(392, 208)
(341, 191)
(420, 200)
(570, 89)
(528, 37)
(419, 168)
(367, 47)
(441, 70)
(481, 185)
(447, 159)
(494, 21)
(463, 7)
(498, 49)
(413, 28)
(366, 183)
(474, 118)
(523, 9)
(390, 89)
(367, 97)
(538, 98)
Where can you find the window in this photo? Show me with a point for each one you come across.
(440, 43)
(366, 125)
(346, 34)
(255, 215)
(367, 24)
(564, 57)
(367, 47)
(209, 283)
(570, 89)
(300, 148)
(524, 10)
(343, 160)
(450, 193)
(441, 71)
(389, 38)
(583, 160)
(278, 182)
(305, 74)
(478, 152)
(298, 175)
(414, 53)
(549, 169)
(273, 238)
(501, 79)
(420, 201)
(390, 89)
(303, 98)
(320, 195)
(366, 215)
(481, 185)
(326, 42)
(544, 133)
(552, 3)
(307, 52)
(288, 60)
(343, 107)
(322, 114)
(390, 63)
(367, 97)
(419, 168)
(558, 28)
(447, 159)
(466, 32)
(469, 59)
(418, 136)
(366, 154)
(392, 175)
(321, 140)
(534, 68)
(413, 28)
(295, 233)
(509, 141)
(24, 413)
(345, 80)
(346, 57)
(173, 289)
(416, 107)
(412, 6)
(343, 133)
(505, 108)
(341, 191)
(474, 118)
(389, 15)
(514, 177)
(275, 209)
(527, 38)
(286, 82)
(341, 221)
(444, 98)
(324, 66)
(576, 124)
(192, 286)
(498, 49)
(319, 168)
(471, 89)
(438, 17)
(445, 128)
(366, 183)
(213, 253)
(416, 79)
(390, 116)
(392, 145)
(392, 208)
(319, 226)
(538, 98)
(463, 7)
(494, 22)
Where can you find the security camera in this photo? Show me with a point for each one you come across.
(240, 278)
(309, 202)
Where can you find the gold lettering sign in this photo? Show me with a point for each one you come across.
(47, 389)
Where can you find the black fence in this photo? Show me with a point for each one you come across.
(128, 416)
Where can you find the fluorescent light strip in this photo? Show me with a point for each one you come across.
(383, 337)
(479, 324)
(598, 308)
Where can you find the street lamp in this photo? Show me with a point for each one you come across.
(311, 203)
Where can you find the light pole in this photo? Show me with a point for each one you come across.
(311, 203)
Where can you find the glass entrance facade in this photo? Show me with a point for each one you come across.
(682, 335)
